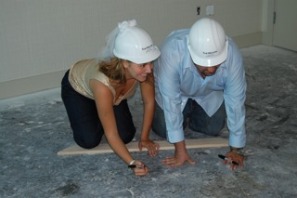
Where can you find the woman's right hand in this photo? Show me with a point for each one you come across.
(140, 168)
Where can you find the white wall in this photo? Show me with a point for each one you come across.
(40, 39)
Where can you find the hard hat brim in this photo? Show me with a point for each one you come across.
(149, 57)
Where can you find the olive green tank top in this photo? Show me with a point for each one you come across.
(83, 71)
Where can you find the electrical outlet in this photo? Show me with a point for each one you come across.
(198, 10)
(209, 10)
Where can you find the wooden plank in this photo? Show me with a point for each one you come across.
(133, 146)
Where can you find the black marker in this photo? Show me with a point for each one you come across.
(226, 158)
(135, 166)
(132, 166)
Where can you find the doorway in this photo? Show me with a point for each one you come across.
(285, 24)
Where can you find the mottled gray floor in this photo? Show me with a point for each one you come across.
(35, 127)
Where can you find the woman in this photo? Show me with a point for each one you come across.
(95, 93)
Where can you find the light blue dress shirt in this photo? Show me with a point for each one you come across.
(177, 80)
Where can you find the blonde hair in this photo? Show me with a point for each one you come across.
(113, 69)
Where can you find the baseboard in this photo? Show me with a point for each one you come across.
(30, 85)
(248, 40)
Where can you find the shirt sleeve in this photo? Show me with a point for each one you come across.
(168, 82)
(234, 95)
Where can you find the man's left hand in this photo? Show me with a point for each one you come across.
(235, 159)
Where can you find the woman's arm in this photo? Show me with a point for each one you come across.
(148, 96)
(104, 102)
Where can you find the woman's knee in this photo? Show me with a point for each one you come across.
(87, 143)
(87, 138)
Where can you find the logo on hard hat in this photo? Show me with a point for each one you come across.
(209, 53)
(148, 48)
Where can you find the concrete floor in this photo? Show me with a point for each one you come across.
(35, 127)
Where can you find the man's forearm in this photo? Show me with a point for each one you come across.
(180, 147)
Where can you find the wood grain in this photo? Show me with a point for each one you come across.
(133, 146)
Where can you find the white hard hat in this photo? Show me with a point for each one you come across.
(207, 43)
(135, 44)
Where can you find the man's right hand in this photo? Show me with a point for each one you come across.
(180, 157)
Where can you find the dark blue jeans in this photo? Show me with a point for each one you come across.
(84, 120)
(195, 117)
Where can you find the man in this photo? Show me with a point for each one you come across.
(200, 77)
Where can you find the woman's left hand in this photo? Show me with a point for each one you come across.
(152, 147)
